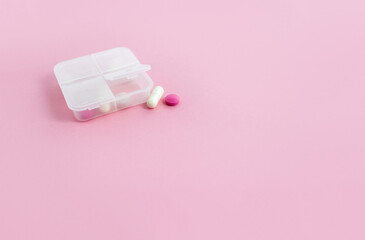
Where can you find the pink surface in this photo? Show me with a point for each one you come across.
(268, 142)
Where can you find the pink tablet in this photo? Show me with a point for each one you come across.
(172, 99)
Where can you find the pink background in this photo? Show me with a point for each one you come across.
(267, 143)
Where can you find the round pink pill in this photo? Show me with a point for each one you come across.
(84, 115)
(172, 99)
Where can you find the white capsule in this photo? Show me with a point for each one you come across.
(105, 108)
(155, 97)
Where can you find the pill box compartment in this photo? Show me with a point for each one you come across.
(104, 82)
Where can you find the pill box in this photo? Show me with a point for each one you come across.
(103, 82)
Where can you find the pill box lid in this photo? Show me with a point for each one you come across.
(83, 79)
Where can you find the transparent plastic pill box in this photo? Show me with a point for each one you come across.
(103, 82)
